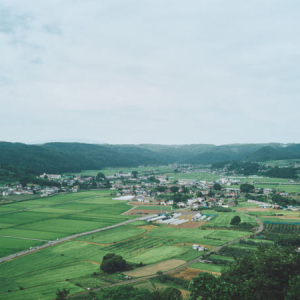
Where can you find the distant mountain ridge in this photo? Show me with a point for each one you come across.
(60, 157)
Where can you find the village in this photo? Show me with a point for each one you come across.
(157, 188)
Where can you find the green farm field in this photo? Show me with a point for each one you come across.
(224, 219)
(198, 176)
(57, 217)
(77, 260)
(154, 207)
(288, 188)
(207, 237)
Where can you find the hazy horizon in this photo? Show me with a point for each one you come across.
(150, 72)
(42, 142)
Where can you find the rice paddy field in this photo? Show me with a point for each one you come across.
(34, 222)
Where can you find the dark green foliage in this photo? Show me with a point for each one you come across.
(270, 273)
(265, 275)
(294, 288)
(128, 292)
(218, 261)
(74, 157)
(246, 188)
(174, 189)
(180, 197)
(283, 201)
(160, 188)
(170, 279)
(171, 293)
(152, 179)
(236, 220)
(282, 228)
(282, 172)
(206, 286)
(184, 189)
(112, 263)
(199, 194)
(210, 193)
(134, 174)
(10, 173)
(222, 209)
(100, 176)
(62, 294)
(285, 235)
(217, 187)
(234, 251)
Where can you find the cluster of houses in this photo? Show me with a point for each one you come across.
(28, 190)
(150, 186)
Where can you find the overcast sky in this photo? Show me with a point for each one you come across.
(156, 71)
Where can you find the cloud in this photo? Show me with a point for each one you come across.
(150, 71)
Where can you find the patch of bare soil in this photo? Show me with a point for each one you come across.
(94, 262)
(184, 293)
(148, 228)
(152, 269)
(190, 273)
(253, 209)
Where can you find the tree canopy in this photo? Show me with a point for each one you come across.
(236, 220)
(270, 273)
(112, 263)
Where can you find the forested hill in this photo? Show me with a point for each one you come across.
(73, 157)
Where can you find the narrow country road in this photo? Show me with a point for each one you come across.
(259, 230)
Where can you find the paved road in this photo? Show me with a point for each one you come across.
(259, 230)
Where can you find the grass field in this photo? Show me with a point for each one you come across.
(42, 292)
(207, 237)
(113, 235)
(68, 214)
(207, 176)
(154, 207)
(224, 219)
(282, 187)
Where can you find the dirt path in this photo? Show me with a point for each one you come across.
(259, 230)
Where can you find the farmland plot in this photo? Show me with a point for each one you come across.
(87, 211)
